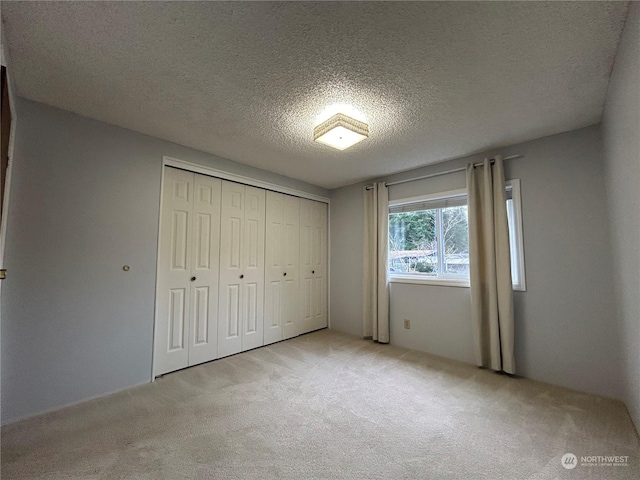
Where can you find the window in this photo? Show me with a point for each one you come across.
(429, 238)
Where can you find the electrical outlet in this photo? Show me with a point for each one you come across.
(407, 323)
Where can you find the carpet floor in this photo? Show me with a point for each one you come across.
(328, 406)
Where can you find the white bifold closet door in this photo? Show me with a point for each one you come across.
(187, 291)
(241, 300)
(282, 263)
(313, 265)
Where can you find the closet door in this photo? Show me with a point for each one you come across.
(253, 268)
(282, 265)
(313, 269)
(231, 282)
(291, 247)
(306, 266)
(203, 318)
(187, 290)
(241, 301)
(274, 268)
(319, 267)
(174, 279)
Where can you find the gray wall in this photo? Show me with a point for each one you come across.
(566, 329)
(84, 202)
(621, 133)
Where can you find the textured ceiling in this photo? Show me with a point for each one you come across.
(248, 81)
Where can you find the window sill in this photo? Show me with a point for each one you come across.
(441, 282)
(448, 282)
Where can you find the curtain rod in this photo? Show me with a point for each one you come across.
(455, 170)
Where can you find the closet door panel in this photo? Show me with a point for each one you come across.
(201, 327)
(319, 269)
(282, 267)
(254, 268)
(306, 234)
(306, 266)
(173, 289)
(203, 341)
(306, 291)
(273, 311)
(177, 324)
(230, 303)
(274, 267)
(291, 254)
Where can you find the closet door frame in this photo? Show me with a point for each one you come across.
(221, 174)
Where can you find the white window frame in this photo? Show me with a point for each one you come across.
(515, 238)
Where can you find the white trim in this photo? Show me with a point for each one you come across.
(155, 303)
(439, 281)
(430, 196)
(213, 172)
(329, 266)
(420, 280)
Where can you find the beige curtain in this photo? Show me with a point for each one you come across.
(490, 264)
(375, 288)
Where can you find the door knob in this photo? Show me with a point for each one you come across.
(284, 274)
(241, 276)
(193, 279)
(313, 271)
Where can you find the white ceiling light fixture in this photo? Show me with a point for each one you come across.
(340, 131)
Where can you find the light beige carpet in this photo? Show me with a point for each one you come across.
(327, 406)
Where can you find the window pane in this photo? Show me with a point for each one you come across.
(455, 235)
(513, 245)
(412, 242)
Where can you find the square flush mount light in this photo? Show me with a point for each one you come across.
(340, 132)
